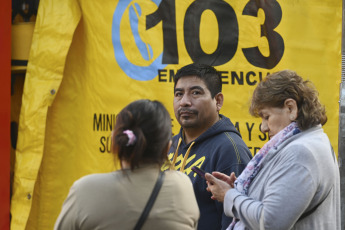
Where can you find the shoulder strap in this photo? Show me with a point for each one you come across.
(151, 201)
(313, 209)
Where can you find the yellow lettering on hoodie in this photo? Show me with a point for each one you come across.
(179, 162)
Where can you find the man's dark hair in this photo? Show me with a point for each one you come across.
(207, 73)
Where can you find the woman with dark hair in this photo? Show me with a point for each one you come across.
(293, 181)
(116, 200)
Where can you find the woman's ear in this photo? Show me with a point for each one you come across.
(291, 105)
(219, 100)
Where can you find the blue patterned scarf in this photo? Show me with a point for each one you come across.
(253, 167)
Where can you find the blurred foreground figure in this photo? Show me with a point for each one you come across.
(141, 139)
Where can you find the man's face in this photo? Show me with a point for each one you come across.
(193, 105)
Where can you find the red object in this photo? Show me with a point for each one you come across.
(5, 112)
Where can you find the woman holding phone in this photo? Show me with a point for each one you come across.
(141, 139)
(293, 181)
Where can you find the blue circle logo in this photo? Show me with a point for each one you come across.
(136, 72)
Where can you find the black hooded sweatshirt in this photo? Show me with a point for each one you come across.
(221, 149)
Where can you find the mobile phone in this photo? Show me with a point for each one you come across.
(199, 171)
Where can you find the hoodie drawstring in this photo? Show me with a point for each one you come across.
(172, 166)
(186, 157)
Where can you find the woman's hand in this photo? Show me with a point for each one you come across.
(228, 179)
(218, 184)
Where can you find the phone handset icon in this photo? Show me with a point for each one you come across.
(146, 70)
(145, 49)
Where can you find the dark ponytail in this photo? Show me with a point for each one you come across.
(150, 123)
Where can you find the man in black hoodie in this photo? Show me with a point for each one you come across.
(206, 139)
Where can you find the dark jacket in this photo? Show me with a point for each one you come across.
(221, 149)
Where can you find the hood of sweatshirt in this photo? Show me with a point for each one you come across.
(221, 126)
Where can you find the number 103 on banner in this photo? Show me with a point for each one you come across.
(180, 22)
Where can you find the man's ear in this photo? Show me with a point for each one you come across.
(219, 100)
(291, 105)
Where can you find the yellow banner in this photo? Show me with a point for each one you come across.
(91, 58)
